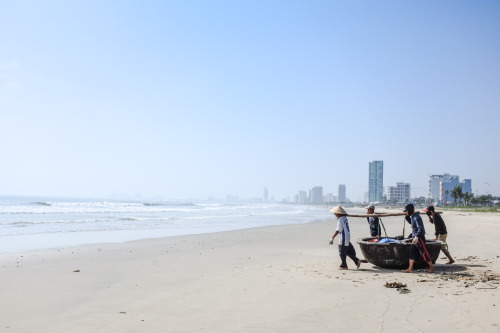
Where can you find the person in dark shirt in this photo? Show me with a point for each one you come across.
(418, 247)
(373, 222)
(441, 233)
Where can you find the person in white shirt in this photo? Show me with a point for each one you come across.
(345, 247)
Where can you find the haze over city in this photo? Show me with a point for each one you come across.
(208, 99)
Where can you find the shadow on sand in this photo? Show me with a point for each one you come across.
(440, 268)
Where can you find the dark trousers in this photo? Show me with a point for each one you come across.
(420, 250)
(347, 251)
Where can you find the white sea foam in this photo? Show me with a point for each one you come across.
(22, 219)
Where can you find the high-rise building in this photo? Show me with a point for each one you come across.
(302, 197)
(266, 195)
(399, 193)
(450, 184)
(439, 184)
(342, 193)
(435, 185)
(376, 181)
(330, 198)
(317, 195)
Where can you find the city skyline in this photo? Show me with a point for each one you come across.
(401, 191)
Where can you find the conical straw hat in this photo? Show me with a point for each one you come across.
(338, 210)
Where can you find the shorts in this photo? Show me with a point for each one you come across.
(442, 239)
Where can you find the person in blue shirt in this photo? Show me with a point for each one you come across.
(373, 221)
(345, 246)
(418, 247)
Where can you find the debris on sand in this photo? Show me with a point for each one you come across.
(480, 280)
(395, 285)
(401, 287)
(489, 276)
(469, 258)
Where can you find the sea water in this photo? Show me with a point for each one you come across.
(34, 223)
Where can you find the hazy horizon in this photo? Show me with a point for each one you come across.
(208, 99)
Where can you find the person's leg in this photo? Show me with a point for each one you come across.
(431, 267)
(342, 253)
(414, 255)
(451, 261)
(444, 248)
(424, 252)
(351, 252)
(410, 267)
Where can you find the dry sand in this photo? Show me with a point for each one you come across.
(272, 279)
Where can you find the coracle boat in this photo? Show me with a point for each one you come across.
(394, 253)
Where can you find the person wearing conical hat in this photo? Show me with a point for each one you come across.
(345, 246)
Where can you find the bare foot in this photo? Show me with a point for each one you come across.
(342, 268)
(430, 270)
(359, 264)
(364, 261)
(408, 270)
(450, 262)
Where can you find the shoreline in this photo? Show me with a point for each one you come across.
(274, 278)
(74, 240)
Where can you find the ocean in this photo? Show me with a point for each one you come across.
(35, 223)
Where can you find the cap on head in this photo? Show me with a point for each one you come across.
(370, 206)
(428, 210)
(409, 208)
(338, 210)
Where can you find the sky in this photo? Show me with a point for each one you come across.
(198, 99)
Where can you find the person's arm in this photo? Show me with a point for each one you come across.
(419, 224)
(418, 227)
(435, 233)
(335, 234)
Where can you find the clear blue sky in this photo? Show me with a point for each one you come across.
(209, 98)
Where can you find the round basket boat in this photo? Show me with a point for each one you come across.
(394, 255)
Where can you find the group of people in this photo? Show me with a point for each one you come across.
(417, 249)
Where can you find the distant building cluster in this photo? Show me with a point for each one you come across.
(440, 190)
(316, 196)
(440, 186)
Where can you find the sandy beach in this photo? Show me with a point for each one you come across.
(270, 279)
